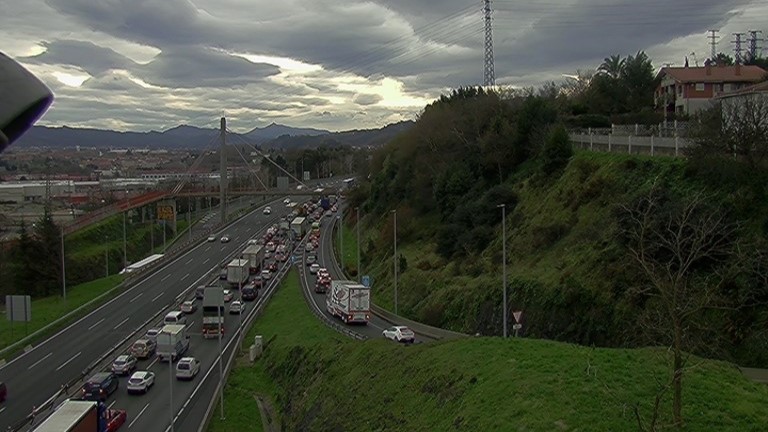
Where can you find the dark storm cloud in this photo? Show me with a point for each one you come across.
(86, 55)
(367, 99)
(200, 67)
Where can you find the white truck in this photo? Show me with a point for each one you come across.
(349, 301)
(172, 342)
(237, 272)
(299, 226)
(213, 312)
(254, 254)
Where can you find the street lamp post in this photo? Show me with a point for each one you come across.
(164, 235)
(341, 240)
(170, 386)
(394, 234)
(106, 257)
(357, 227)
(63, 269)
(221, 366)
(125, 245)
(504, 263)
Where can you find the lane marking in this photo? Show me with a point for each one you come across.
(112, 404)
(189, 261)
(208, 248)
(158, 296)
(138, 415)
(136, 298)
(185, 276)
(166, 277)
(40, 361)
(206, 260)
(96, 325)
(121, 323)
(152, 363)
(67, 362)
(1, 410)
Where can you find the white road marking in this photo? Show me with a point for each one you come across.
(136, 298)
(208, 248)
(121, 323)
(189, 261)
(206, 260)
(158, 296)
(185, 276)
(95, 325)
(138, 415)
(165, 277)
(152, 363)
(67, 362)
(110, 405)
(1, 410)
(39, 361)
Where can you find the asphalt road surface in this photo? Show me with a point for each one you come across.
(35, 376)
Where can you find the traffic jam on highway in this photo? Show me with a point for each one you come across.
(222, 305)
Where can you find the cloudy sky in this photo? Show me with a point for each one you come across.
(333, 64)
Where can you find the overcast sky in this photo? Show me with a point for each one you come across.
(332, 64)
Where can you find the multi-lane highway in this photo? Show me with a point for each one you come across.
(35, 376)
(326, 259)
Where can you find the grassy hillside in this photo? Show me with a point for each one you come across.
(321, 382)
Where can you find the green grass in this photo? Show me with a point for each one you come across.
(349, 239)
(321, 382)
(286, 322)
(46, 310)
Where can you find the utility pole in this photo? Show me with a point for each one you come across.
(357, 227)
(713, 43)
(106, 257)
(63, 269)
(125, 245)
(489, 75)
(754, 48)
(394, 234)
(223, 172)
(504, 264)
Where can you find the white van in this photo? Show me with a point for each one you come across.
(175, 317)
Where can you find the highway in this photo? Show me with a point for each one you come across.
(326, 259)
(36, 375)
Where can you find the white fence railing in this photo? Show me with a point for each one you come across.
(649, 145)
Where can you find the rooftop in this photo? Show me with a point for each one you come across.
(716, 73)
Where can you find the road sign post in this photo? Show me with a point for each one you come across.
(366, 281)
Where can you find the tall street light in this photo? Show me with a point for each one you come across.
(504, 262)
(125, 247)
(357, 227)
(394, 234)
(63, 269)
(170, 381)
(106, 257)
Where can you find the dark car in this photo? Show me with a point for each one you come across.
(99, 386)
(249, 293)
(223, 274)
(257, 281)
(199, 291)
(3, 391)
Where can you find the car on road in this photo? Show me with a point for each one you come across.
(272, 266)
(187, 368)
(267, 210)
(249, 292)
(253, 242)
(237, 307)
(212, 238)
(266, 275)
(257, 281)
(228, 295)
(99, 386)
(286, 201)
(223, 274)
(141, 382)
(399, 334)
(124, 364)
(115, 418)
(3, 392)
(151, 334)
(188, 307)
(200, 292)
(225, 239)
(311, 259)
(309, 247)
(314, 268)
(143, 348)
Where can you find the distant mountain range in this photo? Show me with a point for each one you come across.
(191, 137)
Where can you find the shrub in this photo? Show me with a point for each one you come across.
(557, 150)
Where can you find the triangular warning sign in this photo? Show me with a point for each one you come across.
(517, 315)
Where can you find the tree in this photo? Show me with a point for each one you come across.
(682, 247)
(638, 79)
(724, 59)
(612, 66)
(557, 150)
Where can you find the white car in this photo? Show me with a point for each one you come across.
(266, 274)
(309, 247)
(141, 382)
(286, 201)
(188, 307)
(124, 364)
(237, 307)
(253, 242)
(399, 334)
(314, 268)
(228, 295)
(267, 210)
(152, 333)
(225, 239)
(187, 368)
(212, 238)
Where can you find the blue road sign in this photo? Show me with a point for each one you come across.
(367, 281)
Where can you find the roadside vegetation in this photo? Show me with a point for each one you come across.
(319, 381)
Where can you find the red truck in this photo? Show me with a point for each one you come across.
(83, 416)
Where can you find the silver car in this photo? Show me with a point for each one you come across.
(124, 364)
(141, 382)
(187, 368)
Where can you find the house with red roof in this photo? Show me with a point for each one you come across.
(687, 90)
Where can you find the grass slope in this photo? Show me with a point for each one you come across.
(321, 382)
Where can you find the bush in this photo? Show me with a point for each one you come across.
(557, 150)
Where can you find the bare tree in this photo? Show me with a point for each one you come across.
(683, 248)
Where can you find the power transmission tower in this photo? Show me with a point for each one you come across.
(754, 48)
(489, 76)
(713, 42)
(737, 48)
(47, 204)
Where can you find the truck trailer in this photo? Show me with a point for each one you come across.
(213, 312)
(172, 342)
(349, 301)
(237, 272)
(83, 416)
(299, 226)
(254, 254)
